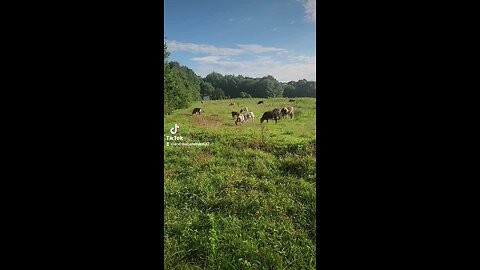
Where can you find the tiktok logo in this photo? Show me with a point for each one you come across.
(175, 129)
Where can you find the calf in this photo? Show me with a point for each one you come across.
(197, 111)
(249, 115)
(271, 115)
(260, 102)
(287, 111)
(235, 114)
(290, 111)
(240, 119)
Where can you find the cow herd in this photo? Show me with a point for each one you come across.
(275, 114)
(245, 115)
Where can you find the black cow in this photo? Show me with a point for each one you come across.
(235, 114)
(291, 100)
(275, 114)
(197, 111)
(260, 102)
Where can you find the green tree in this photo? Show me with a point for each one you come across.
(217, 80)
(268, 86)
(217, 93)
(188, 82)
(289, 90)
(245, 95)
(181, 84)
(169, 84)
(206, 88)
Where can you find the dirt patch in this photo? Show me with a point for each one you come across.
(207, 121)
(169, 173)
(203, 158)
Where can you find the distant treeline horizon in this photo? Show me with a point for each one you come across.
(182, 86)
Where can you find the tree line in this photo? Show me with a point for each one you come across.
(182, 86)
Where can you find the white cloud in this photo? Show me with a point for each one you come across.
(310, 9)
(259, 67)
(303, 59)
(255, 48)
(212, 50)
(201, 48)
(280, 63)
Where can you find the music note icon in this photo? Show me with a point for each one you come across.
(175, 129)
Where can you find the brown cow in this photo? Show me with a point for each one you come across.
(287, 111)
(240, 119)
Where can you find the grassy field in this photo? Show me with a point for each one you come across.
(246, 200)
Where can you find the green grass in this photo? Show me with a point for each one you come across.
(247, 200)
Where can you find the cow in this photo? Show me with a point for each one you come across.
(244, 109)
(197, 111)
(232, 103)
(291, 100)
(260, 102)
(235, 114)
(275, 114)
(201, 101)
(249, 115)
(290, 111)
(287, 111)
(240, 119)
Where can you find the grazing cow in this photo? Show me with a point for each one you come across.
(240, 119)
(244, 109)
(235, 114)
(249, 115)
(197, 111)
(291, 100)
(232, 103)
(260, 102)
(201, 101)
(290, 111)
(287, 111)
(271, 115)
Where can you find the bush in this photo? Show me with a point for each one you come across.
(245, 95)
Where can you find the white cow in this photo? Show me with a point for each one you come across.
(240, 119)
(244, 109)
(250, 115)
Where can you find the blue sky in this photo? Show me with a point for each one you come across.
(253, 38)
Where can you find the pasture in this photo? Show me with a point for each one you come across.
(247, 200)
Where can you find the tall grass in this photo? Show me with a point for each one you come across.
(247, 200)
